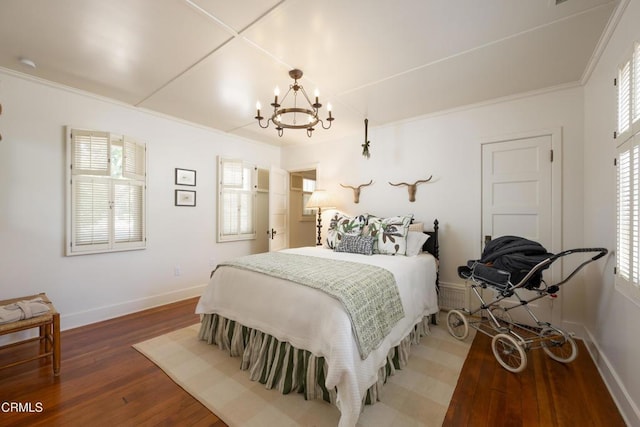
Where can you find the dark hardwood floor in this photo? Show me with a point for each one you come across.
(104, 381)
(546, 393)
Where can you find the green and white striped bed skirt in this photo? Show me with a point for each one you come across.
(279, 365)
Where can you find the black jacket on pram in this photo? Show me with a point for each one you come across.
(514, 255)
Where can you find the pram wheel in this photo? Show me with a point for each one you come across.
(509, 353)
(458, 324)
(558, 345)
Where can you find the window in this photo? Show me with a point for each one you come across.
(308, 187)
(107, 193)
(236, 200)
(628, 176)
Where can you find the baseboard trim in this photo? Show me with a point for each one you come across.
(453, 296)
(577, 329)
(628, 408)
(82, 318)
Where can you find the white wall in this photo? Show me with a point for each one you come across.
(88, 288)
(448, 146)
(613, 323)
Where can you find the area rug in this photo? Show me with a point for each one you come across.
(418, 395)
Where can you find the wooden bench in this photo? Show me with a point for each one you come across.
(49, 334)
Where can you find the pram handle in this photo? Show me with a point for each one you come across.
(601, 252)
(545, 262)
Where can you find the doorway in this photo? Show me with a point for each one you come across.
(302, 221)
(521, 196)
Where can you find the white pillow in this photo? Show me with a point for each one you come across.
(415, 240)
(416, 226)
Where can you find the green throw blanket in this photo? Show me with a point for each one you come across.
(368, 293)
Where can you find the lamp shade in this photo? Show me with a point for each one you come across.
(320, 199)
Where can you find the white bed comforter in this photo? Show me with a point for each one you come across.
(312, 320)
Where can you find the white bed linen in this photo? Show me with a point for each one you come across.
(312, 320)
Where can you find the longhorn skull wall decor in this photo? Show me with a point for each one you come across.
(356, 190)
(412, 187)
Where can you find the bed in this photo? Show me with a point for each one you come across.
(298, 338)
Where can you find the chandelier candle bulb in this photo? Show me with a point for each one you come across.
(258, 116)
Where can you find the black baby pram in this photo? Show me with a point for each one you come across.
(509, 265)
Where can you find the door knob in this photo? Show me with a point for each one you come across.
(273, 233)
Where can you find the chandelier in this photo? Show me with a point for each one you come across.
(301, 115)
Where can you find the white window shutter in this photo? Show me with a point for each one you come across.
(635, 221)
(90, 151)
(128, 213)
(624, 213)
(245, 214)
(232, 173)
(635, 90)
(624, 101)
(91, 213)
(236, 200)
(229, 211)
(133, 159)
(628, 215)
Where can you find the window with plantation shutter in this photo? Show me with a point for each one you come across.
(624, 99)
(128, 211)
(232, 173)
(236, 200)
(628, 177)
(91, 211)
(635, 90)
(90, 153)
(308, 187)
(628, 215)
(107, 193)
(134, 160)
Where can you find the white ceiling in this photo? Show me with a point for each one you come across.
(209, 61)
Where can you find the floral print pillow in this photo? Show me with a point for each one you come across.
(390, 234)
(341, 225)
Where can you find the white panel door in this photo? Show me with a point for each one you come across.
(278, 190)
(517, 199)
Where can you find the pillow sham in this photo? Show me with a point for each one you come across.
(356, 244)
(415, 241)
(390, 234)
(341, 225)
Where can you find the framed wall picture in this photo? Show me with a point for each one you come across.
(185, 177)
(185, 198)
